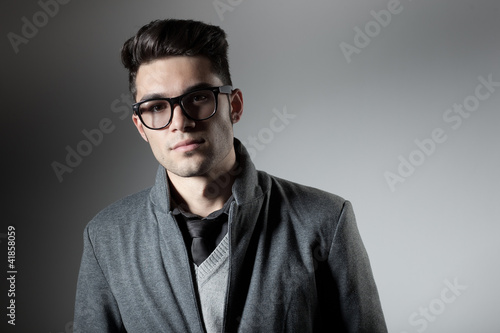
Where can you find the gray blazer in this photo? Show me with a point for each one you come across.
(297, 263)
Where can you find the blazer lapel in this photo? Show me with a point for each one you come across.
(246, 220)
(176, 262)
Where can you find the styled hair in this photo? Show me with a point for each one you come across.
(172, 37)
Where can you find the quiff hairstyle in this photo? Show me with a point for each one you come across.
(171, 37)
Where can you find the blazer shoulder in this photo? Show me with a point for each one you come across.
(123, 211)
(307, 198)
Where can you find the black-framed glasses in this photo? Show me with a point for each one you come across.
(199, 104)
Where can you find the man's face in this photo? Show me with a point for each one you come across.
(188, 148)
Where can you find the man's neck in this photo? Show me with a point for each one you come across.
(202, 195)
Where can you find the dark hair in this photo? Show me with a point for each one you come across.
(162, 38)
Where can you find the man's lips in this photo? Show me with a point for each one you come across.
(187, 145)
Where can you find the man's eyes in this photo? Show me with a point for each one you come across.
(154, 106)
(198, 97)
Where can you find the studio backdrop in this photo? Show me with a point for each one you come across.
(391, 104)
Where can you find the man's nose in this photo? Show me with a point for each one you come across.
(179, 120)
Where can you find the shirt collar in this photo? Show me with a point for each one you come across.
(215, 214)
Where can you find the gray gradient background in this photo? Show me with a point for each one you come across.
(352, 121)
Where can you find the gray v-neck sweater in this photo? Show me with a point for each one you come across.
(211, 279)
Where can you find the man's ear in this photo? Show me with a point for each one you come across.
(140, 127)
(236, 99)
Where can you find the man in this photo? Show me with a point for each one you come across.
(214, 245)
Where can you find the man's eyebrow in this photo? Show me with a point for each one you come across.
(200, 85)
(151, 96)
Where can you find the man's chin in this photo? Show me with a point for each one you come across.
(189, 169)
(188, 173)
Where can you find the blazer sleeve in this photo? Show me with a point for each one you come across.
(96, 309)
(359, 302)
